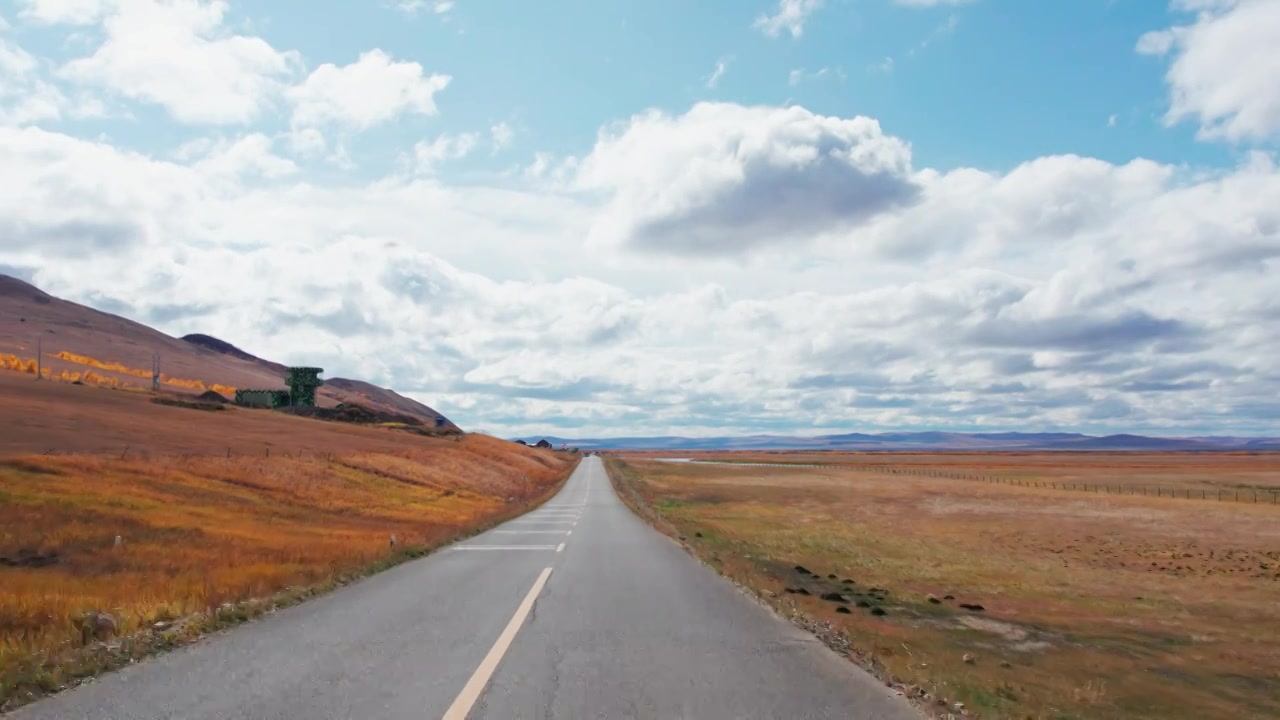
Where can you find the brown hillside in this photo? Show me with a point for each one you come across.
(28, 313)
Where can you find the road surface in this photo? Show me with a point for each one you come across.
(576, 610)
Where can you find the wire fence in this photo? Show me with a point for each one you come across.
(1257, 496)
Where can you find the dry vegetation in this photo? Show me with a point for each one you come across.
(1093, 606)
(219, 516)
(89, 377)
(197, 532)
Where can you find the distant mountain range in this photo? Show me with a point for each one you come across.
(919, 441)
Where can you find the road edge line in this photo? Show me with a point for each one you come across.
(484, 672)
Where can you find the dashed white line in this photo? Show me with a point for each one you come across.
(471, 692)
(561, 548)
(568, 533)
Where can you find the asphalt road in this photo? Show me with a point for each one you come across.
(576, 610)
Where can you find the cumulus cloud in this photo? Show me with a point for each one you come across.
(178, 55)
(370, 91)
(723, 178)
(1225, 73)
(790, 17)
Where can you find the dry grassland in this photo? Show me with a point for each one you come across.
(1092, 606)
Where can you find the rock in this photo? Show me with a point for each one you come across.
(99, 625)
(803, 570)
(948, 597)
(969, 659)
(958, 706)
(792, 590)
(832, 576)
(864, 604)
(877, 611)
(1006, 664)
(934, 600)
(843, 610)
(802, 591)
(972, 606)
(161, 626)
(847, 581)
(834, 597)
(697, 534)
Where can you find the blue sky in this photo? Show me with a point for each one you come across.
(981, 84)
(627, 217)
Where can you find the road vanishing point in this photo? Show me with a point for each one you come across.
(576, 610)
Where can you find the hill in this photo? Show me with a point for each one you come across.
(110, 345)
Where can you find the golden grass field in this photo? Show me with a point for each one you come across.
(1093, 605)
(213, 510)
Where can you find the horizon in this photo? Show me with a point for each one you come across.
(802, 218)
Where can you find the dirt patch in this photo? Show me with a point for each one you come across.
(29, 559)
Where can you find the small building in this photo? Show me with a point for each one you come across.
(302, 382)
(262, 398)
(543, 444)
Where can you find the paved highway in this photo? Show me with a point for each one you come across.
(576, 610)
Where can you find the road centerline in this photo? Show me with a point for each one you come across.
(480, 678)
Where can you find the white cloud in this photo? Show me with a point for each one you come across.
(501, 136)
(1226, 69)
(24, 96)
(790, 17)
(799, 75)
(930, 3)
(413, 7)
(246, 157)
(721, 66)
(428, 155)
(723, 177)
(177, 54)
(372, 90)
(1111, 120)
(65, 12)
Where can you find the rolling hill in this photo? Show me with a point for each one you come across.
(63, 327)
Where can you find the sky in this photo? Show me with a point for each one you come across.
(590, 218)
